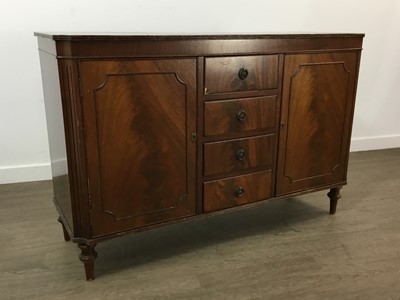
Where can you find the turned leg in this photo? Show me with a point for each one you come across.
(334, 196)
(87, 256)
(66, 235)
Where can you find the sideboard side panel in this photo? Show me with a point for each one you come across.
(61, 91)
(57, 127)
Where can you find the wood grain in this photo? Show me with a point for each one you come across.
(68, 46)
(220, 194)
(140, 116)
(221, 73)
(222, 117)
(221, 157)
(317, 101)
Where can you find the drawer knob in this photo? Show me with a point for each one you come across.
(243, 73)
(240, 154)
(241, 115)
(239, 191)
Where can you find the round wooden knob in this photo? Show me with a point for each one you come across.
(243, 73)
(239, 191)
(241, 115)
(240, 154)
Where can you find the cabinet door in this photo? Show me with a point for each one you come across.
(317, 107)
(139, 116)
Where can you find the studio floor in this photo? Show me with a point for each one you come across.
(284, 249)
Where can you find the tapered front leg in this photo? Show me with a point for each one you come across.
(87, 256)
(334, 196)
(66, 234)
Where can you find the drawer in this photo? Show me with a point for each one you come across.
(238, 154)
(233, 191)
(240, 73)
(241, 115)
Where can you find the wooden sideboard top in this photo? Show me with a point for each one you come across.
(129, 45)
(77, 36)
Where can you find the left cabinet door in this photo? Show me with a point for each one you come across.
(139, 116)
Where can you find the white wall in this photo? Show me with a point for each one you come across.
(23, 146)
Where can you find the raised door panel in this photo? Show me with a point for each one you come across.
(139, 116)
(317, 106)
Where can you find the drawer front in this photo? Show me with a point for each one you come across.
(241, 115)
(233, 191)
(239, 154)
(240, 73)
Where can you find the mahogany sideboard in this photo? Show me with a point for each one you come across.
(150, 130)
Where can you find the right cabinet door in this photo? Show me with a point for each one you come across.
(316, 115)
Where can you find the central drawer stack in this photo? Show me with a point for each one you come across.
(241, 109)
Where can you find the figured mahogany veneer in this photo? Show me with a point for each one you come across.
(239, 116)
(238, 155)
(317, 116)
(239, 190)
(139, 141)
(146, 131)
(240, 73)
